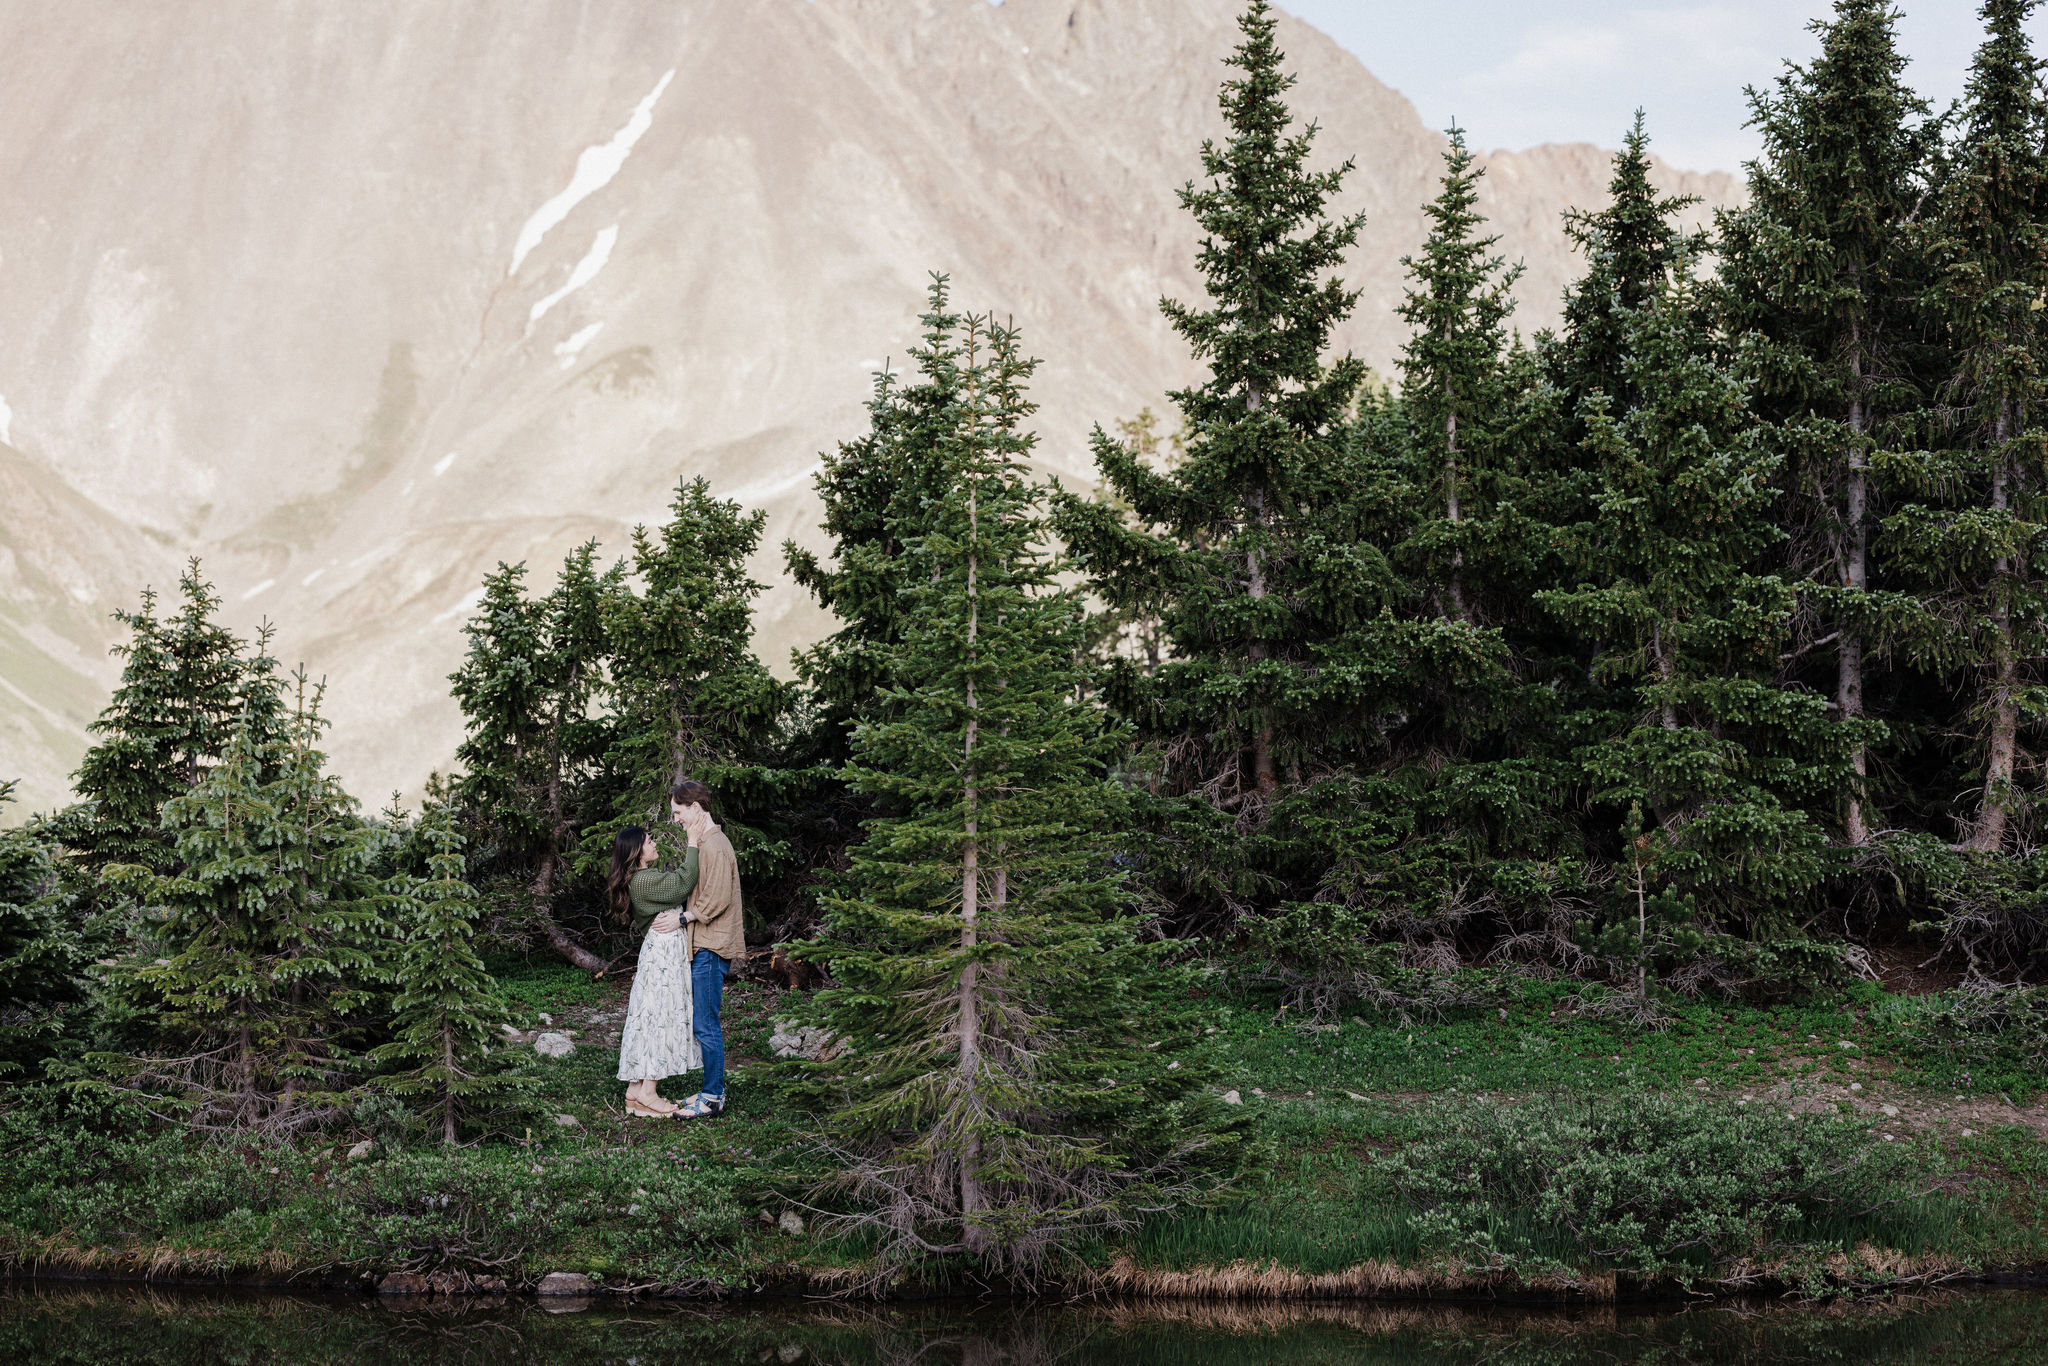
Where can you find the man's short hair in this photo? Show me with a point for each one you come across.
(683, 791)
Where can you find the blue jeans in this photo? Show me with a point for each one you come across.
(707, 986)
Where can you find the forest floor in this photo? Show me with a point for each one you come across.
(722, 1206)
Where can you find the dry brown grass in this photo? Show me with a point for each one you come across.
(1255, 1281)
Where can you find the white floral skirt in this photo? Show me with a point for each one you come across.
(659, 1040)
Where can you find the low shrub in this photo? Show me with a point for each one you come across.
(1988, 1039)
(1652, 1185)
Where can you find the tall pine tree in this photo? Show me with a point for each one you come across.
(1454, 382)
(1007, 1088)
(687, 694)
(1820, 267)
(1232, 549)
(1685, 626)
(535, 744)
(1988, 250)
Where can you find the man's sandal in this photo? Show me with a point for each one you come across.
(701, 1106)
(646, 1111)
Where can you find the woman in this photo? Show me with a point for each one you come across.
(660, 1040)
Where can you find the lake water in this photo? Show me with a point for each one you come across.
(49, 1325)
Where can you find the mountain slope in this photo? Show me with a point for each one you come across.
(355, 301)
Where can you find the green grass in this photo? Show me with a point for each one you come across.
(1537, 1042)
(534, 985)
(1317, 1195)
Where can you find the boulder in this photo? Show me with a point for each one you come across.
(1232, 1098)
(361, 1150)
(565, 1283)
(553, 1045)
(567, 1122)
(791, 1223)
(403, 1283)
(813, 1044)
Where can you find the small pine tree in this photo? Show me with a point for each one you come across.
(261, 943)
(44, 946)
(185, 681)
(447, 1009)
(688, 696)
(534, 747)
(1012, 1081)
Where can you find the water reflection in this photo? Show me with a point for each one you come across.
(43, 1325)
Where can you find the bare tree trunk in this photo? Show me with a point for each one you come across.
(558, 938)
(1998, 761)
(972, 1201)
(448, 1086)
(1457, 583)
(1665, 670)
(1856, 578)
(1264, 776)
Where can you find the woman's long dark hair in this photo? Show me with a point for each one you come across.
(625, 862)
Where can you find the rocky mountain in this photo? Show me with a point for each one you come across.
(354, 301)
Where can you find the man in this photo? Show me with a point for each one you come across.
(718, 934)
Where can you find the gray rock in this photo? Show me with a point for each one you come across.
(1890, 1111)
(403, 1283)
(813, 1044)
(361, 1150)
(791, 1223)
(1232, 1098)
(568, 1122)
(565, 1283)
(553, 1045)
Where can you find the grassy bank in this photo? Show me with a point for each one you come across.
(1523, 1147)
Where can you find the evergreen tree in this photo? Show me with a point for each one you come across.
(1820, 267)
(1001, 1094)
(505, 710)
(534, 746)
(184, 683)
(1454, 383)
(1685, 631)
(44, 946)
(1630, 248)
(688, 696)
(1978, 553)
(1232, 550)
(869, 487)
(262, 941)
(447, 1010)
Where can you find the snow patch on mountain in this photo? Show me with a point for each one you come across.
(595, 168)
(568, 350)
(586, 271)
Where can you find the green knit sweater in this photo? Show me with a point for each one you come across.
(654, 890)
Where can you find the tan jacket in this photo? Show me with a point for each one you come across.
(718, 922)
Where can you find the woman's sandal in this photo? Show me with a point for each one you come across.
(646, 1111)
(701, 1106)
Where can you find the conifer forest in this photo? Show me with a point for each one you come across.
(1565, 809)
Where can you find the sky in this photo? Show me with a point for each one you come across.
(1515, 73)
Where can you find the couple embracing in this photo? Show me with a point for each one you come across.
(689, 911)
